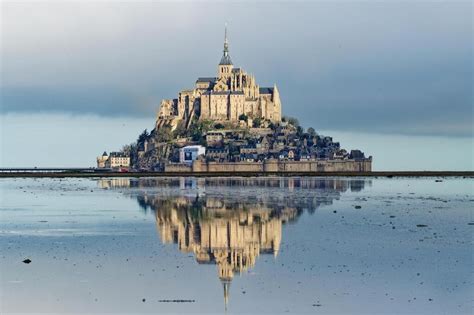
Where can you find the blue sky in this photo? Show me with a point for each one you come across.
(365, 67)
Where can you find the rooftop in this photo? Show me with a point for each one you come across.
(266, 90)
(206, 79)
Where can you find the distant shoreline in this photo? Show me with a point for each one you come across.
(85, 174)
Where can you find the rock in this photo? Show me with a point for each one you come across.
(27, 261)
(357, 207)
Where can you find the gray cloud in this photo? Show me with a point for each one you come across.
(395, 67)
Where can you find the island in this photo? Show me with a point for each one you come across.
(230, 124)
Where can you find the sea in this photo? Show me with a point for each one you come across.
(236, 245)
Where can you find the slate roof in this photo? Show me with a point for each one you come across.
(225, 60)
(224, 92)
(118, 154)
(205, 79)
(266, 90)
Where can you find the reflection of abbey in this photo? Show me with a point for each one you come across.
(223, 98)
(203, 217)
(231, 238)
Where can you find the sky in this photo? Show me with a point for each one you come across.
(402, 68)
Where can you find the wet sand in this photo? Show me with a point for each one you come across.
(245, 245)
(59, 173)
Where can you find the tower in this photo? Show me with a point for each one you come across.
(225, 66)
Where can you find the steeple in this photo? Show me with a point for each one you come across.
(225, 60)
(226, 286)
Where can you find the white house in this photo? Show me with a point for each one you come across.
(190, 153)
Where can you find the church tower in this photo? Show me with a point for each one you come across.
(225, 66)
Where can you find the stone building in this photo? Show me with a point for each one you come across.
(114, 160)
(232, 93)
(102, 160)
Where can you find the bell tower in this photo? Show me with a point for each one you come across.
(225, 66)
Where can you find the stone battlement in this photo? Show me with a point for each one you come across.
(273, 166)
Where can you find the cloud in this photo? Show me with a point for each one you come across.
(397, 67)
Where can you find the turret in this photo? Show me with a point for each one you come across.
(276, 104)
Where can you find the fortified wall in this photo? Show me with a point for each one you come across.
(272, 166)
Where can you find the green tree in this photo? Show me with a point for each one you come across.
(311, 131)
(143, 136)
(243, 117)
(299, 131)
(164, 134)
(180, 130)
(257, 122)
(127, 149)
(293, 121)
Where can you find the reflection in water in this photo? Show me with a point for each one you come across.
(229, 221)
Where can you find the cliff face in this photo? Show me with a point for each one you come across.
(152, 158)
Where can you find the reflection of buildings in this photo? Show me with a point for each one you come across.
(229, 235)
(230, 221)
(119, 182)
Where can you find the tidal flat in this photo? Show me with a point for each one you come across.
(237, 245)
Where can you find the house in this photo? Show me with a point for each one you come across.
(248, 149)
(114, 160)
(214, 138)
(357, 155)
(248, 157)
(118, 160)
(263, 145)
(217, 153)
(190, 153)
(339, 154)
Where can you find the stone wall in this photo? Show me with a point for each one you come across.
(178, 167)
(273, 166)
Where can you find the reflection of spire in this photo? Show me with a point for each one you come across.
(226, 286)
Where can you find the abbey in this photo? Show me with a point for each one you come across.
(230, 95)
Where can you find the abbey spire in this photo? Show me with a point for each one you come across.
(225, 60)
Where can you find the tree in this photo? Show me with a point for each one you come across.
(257, 122)
(164, 134)
(126, 149)
(142, 137)
(311, 131)
(180, 130)
(299, 131)
(243, 117)
(293, 121)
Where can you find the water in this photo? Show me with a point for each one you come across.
(241, 245)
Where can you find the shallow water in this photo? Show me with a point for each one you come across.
(252, 245)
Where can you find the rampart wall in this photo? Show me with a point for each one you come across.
(273, 166)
